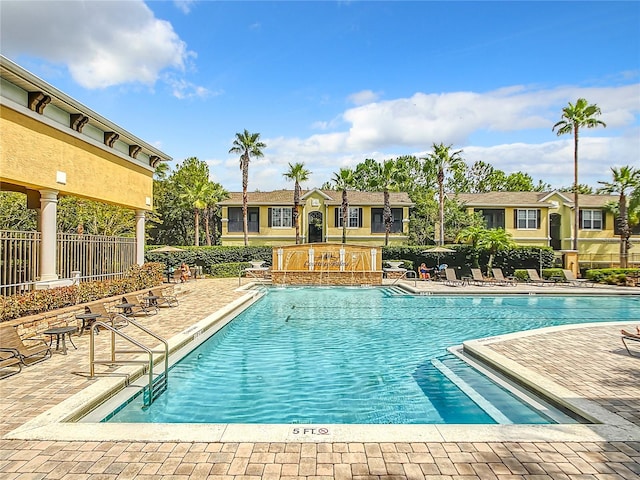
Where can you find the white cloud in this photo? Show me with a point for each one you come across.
(184, 5)
(362, 97)
(410, 125)
(102, 43)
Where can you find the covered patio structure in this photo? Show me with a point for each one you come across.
(51, 146)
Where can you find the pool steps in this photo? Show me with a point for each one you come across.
(535, 402)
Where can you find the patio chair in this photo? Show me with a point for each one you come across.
(571, 279)
(9, 360)
(165, 296)
(501, 279)
(478, 279)
(535, 278)
(451, 278)
(632, 337)
(10, 342)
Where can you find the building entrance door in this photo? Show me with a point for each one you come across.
(315, 227)
(555, 220)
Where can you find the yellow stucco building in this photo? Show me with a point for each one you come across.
(547, 219)
(51, 145)
(270, 218)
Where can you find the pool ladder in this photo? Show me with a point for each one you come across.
(156, 384)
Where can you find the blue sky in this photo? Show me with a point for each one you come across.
(333, 83)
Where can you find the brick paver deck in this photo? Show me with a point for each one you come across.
(589, 361)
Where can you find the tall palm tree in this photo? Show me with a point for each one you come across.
(196, 196)
(441, 160)
(388, 177)
(344, 180)
(575, 117)
(298, 174)
(625, 179)
(247, 145)
(216, 195)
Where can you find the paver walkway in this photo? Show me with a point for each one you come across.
(589, 361)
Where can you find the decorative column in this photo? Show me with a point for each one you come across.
(140, 236)
(374, 263)
(311, 259)
(48, 215)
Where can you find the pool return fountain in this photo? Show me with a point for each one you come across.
(326, 264)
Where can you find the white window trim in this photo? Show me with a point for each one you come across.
(529, 210)
(592, 211)
(281, 209)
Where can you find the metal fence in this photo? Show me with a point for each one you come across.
(92, 257)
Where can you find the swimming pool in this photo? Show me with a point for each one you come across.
(352, 355)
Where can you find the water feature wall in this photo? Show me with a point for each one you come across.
(326, 264)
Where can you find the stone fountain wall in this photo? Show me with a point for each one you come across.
(326, 264)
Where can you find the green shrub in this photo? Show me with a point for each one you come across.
(206, 256)
(228, 270)
(521, 275)
(611, 276)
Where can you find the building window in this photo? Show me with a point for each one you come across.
(235, 224)
(281, 217)
(527, 219)
(377, 220)
(493, 217)
(591, 219)
(354, 217)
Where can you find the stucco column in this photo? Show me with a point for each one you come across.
(139, 237)
(48, 214)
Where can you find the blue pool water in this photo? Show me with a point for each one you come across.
(357, 355)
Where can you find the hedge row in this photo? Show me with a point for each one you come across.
(38, 301)
(205, 256)
(462, 258)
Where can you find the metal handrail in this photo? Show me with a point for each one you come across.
(143, 348)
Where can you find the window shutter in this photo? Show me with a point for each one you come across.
(580, 220)
(269, 213)
(360, 217)
(337, 217)
(538, 220)
(604, 219)
(515, 218)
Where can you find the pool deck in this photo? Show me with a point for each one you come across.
(585, 365)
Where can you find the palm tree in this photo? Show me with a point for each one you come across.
(247, 145)
(216, 195)
(495, 240)
(196, 195)
(625, 179)
(388, 177)
(441, 160)
(472, 235)
(343, 181)
(575, 117)
(298, 174)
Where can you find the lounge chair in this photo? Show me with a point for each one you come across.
(535, 278)
(478, 279)
(164, 296)
(571, 279)
(451, 278)
(501, 279)
(9, 360)
(628, 336)
(10, 342)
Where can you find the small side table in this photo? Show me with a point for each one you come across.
(127, 308)
(151, 300)
(60, 333)
(88, 319)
